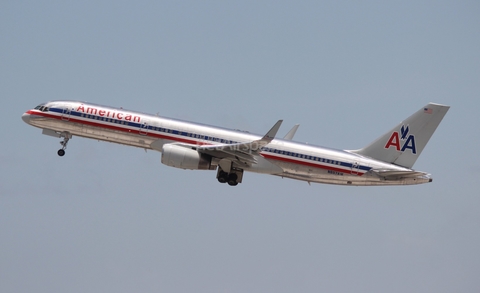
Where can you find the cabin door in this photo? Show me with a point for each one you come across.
(66, 114)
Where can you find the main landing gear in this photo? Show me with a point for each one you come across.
(232, 178)
(64, 142)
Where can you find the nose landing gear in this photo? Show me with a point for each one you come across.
(66, 137)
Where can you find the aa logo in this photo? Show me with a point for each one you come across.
(402, 141)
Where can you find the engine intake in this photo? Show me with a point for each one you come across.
(185, 158)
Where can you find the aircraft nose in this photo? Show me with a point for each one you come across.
(26, 118)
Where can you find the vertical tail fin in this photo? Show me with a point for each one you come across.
(405, 142)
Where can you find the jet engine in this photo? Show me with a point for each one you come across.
(184, 157)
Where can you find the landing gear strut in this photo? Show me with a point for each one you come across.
(64, 142)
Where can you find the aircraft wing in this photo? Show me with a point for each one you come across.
(291, 133)
(244, 152)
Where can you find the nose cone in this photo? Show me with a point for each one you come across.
(26, 118)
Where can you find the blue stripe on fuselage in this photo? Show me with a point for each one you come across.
(298, 157)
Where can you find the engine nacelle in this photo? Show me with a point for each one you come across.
(185, 158)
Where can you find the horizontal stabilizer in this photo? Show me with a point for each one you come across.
(398, 174)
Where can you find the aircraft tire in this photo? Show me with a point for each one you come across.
(232, 179)
(61, 153)
(222, 177)
(232, 183)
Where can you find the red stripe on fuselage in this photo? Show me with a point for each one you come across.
(298, 162)
(118, 128)
(194, 142)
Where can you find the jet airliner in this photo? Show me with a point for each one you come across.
(388, 160)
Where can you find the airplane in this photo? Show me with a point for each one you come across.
(386, 161)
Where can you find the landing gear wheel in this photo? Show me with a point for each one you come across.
(222, 177)
(232, 179)
(66, 137)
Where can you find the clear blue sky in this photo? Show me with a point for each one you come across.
(110, 218)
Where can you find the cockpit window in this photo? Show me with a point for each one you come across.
(41, 108)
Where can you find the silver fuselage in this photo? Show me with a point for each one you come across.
(294, 160)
